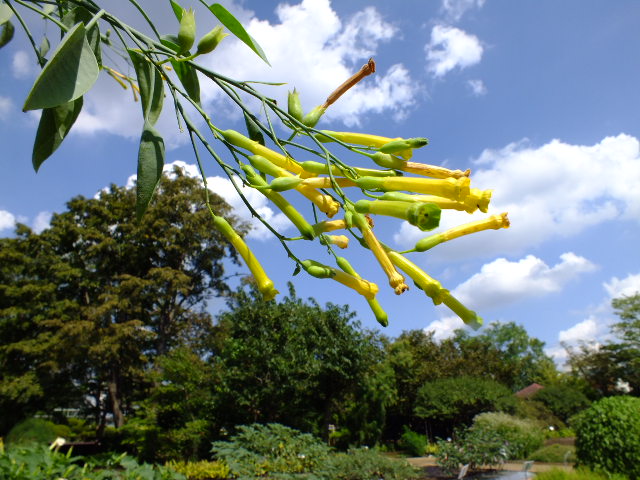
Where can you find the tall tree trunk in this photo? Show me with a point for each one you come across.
(114, 395)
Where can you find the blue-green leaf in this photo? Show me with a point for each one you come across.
(5, 13)
(70, 73)
(170, 41)
(151, 86)
(44, 47)
(235, 27)
(177, 9)
(6, 33)
(81, 14)
(150, 163)
(189, 79)
(54, 126)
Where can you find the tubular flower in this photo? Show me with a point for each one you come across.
(317, 168)
(452, 188)
(305, 228)
(387, 160)
(478, 199)
(425, 216)
(325, 203)
(325, 182)
(239, 140)
(376, 308)
(329, 226)
(402, 147)
(395, 279)
(264, 283)
(319, 270)
(495, 222)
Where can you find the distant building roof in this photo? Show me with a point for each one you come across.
(529, 391)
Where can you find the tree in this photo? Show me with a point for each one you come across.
(563, 401)
(295, 363)
(89, 303)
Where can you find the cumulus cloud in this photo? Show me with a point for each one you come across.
(584, 331)
(522, 279)
(616, 288)
(5, 107)
(444, 327)
(309, 47)
(455, 9)
(449, 48)
(556, 190)
(477, 87)
(41, 222)
(22, 65)
(7, 220)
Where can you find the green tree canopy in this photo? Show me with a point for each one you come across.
(86, 305)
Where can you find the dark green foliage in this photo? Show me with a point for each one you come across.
(522, 436)
(562, 401)
(36, 430)
(554, 453)
(475, 448)
(202, 470)
(608, 436)
(365, 464)
(413, 443)
(458, 400)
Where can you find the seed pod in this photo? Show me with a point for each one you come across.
(187, 32)
(210, 41)
(294, 106)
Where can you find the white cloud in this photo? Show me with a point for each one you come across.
(23, 64)
(455, 9)
(444, 327)
(630, 285)
(313, 50)
(585, 331)
(41, 222)
(477, 87)
(449, 48)
(556, 190)
(6, 105)
(7, 220)
(514, 281)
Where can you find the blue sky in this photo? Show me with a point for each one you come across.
(538, 98)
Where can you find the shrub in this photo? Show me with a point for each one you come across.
(36, 430)
(555, 453)
(265, 450)
(608, 436)
(521, 436)
(202, 470)
(365, 464)
(476, 448)
(413, 443)
(538, 412)
(579, 474)
(563, 401)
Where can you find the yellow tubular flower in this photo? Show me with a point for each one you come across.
(325, 182)
(395, 279)
(341, 241)
(329, 226)
(478, 199)
(495, 222)
(376, 308)
(364, 139)
(452, 188)
(434, 171)
(264, 283)
(319, 270)
(239, 140)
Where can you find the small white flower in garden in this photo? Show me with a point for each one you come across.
(623, 386)
(551, 428)
(57, 443)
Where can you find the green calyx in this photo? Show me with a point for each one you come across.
(312, 118)
(187, 32)
(210, 41)
(386, 160)
(317, 269)
(282, 184)
(426, 243)
(294, 107)
(425, 216)
(397, 146)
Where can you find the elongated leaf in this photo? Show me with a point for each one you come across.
(189, 79)
(235, 27)
(150, 163)
(5, 13)
(253, 129)
(54, 126)
(6, 34)
(177, 9)
(44, 47)
(81, 14)
(151, 86)
(170, 41)
(70, 73)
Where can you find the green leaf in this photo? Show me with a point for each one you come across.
(151, 86)
(170, 41)
(44, 47)
(54, 126)
(6, 34)
(177, 9)
(5, 13)
(69, 74)
(81, 14)
(150, 163)
(253, 129)
(235, 27)
(189, 78)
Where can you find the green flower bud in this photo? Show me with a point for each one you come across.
(294, 106)
(281, 184)
(386, 160)
(317, 269)
(187, 32)
(311, 119)
(397, 146)
(210, 41)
